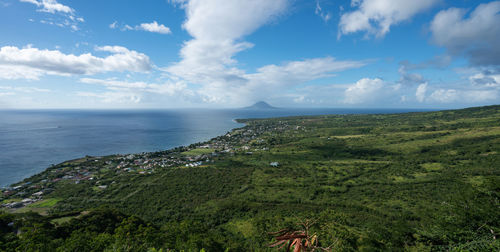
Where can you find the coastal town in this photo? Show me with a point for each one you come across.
(97, 172)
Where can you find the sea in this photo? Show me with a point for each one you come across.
(32, 140)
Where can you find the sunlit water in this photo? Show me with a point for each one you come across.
(30, 141)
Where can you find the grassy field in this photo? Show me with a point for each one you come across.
(45, 203)
(198, 151)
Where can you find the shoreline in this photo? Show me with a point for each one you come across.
(90, 157)
(235, 120)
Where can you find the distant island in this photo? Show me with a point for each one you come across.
(261, 105)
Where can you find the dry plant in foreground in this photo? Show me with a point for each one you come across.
(299, 240)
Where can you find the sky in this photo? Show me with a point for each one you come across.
(125, 54)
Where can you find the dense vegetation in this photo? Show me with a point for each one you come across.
(414, 181)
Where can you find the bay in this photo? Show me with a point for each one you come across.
(32, 140)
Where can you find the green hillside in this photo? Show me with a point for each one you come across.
(413, 181)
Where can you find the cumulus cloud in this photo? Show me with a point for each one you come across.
(477, 35)
(31, 63)
(208, 59)
(420, 94)
(66, 18)
(444, 95)
(155, 27)
(149, 27)
(405, 67)
(377, 16)
(365, 90)
(376, 91)
(409, 78)
(485, 79)
(216, 32)
(50, 6)
(463, 96)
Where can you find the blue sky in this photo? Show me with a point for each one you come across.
(220, 54)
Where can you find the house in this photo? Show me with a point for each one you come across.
(274, 164)
(38, 194)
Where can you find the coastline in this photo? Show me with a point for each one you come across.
(253, 115)
(28, 150)
(234, 120)
(92, 157)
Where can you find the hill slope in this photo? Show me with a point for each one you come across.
(380, 182)
(260, 105)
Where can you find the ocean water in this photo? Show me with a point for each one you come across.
(30, 141)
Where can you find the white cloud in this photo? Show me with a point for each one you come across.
(31, 63)
(127, 92)
(485, 79)
(477, 36)
(444, 95)
(299, 99)
(168, 88)
(9, 72)
(463, 96)
(149, 27)
(365, 90)
(113, 25)
(242, 88)
(67, 17)
(112, 83)
(377, 16)
(480, 95)
(301, 71)
(50, 6)
(409, 78)
(7, 94)
(24, 89)
(65, 23)
(113, 97)
(19, 95)
(376, 91)
(323, 15)
(217, 28)
(154, 27)
(420, 94)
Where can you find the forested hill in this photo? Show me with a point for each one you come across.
(413, 181)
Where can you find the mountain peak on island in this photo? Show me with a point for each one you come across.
(260, 105)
